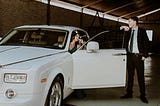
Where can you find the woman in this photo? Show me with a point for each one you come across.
(75, 43)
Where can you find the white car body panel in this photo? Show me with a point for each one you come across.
(104, 68)
(79, 70)
(36, 70)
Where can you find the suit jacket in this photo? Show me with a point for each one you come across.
(142, 41)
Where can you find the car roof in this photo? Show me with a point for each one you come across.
(49, 27)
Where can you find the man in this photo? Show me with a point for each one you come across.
(136, 43)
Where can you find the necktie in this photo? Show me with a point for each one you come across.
(131, 41)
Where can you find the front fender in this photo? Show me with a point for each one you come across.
(51, 76)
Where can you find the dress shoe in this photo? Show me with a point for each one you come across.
(143, 99)
(126, 96)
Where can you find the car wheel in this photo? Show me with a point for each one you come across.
(55, 95)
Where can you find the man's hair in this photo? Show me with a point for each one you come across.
(135, 18)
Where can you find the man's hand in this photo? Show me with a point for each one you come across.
(143, 58)
(126, 28)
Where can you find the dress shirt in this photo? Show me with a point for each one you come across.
(135, 41)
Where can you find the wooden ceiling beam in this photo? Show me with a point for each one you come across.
(129, 13)
(148, 13)
(93, 3)
(133, 12)
(119, 8)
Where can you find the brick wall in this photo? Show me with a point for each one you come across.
(25, 12)
(18, 12)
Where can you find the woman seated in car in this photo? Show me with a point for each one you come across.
(76, 42)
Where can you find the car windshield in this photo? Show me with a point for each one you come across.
(36, 37)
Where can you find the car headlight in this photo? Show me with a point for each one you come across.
(15, 78)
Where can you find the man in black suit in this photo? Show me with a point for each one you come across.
(136, 43)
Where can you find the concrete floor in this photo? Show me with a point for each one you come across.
(111, 96)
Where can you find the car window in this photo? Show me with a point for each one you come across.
(78, 39)
(37, 37)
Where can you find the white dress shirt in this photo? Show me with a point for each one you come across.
(135, 43)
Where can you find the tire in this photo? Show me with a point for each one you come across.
(55, 94)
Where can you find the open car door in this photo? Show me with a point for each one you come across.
(99, 68)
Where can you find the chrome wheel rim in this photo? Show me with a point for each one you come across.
(56, 95)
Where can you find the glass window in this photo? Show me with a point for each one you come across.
(78, 39)
(37, 37)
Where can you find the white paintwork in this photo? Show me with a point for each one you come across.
(105, 68)
(79, 70)
(33, 93)
(92, 46)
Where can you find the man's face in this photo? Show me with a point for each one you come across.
(132, 23)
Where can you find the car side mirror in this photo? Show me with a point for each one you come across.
(92, 47)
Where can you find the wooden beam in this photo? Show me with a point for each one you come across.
(93, 3)
(148, 13)
(130, 13)
(48, 12)
(133, 12)
(118, 8)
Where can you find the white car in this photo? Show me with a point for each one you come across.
(37, 69)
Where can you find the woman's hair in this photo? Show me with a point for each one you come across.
(74, 34)
(73, 37)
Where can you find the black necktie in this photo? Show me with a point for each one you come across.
(131, 42)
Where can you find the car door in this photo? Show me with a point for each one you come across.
(104, 68)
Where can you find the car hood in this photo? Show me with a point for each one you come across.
(10, 55)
